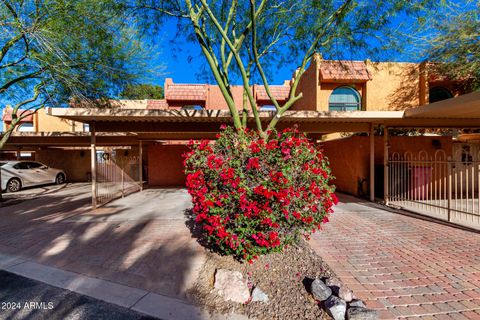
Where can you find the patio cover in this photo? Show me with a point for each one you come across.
(460, 112)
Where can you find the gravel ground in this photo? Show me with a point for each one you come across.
(283, 276)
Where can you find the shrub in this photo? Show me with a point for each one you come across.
(253, 196)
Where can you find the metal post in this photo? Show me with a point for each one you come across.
(122, 169)
(385, 165)
(449, 188)
(140, 164)
(93, 150)
(372, 163)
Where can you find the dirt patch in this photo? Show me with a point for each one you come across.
(283, 276)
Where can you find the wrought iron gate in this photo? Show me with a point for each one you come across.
(118, 174)
(438, 185)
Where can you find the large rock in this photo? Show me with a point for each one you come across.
(339, 289)
(336, 307)
(358, 313)
(231, 286)
(334, 284)
(345, 294)
(259, 295)
(357, 303)
(320, 290)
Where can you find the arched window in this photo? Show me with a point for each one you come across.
(192, 107)
(26, 127)
(438, 94)
(344, 99)
(268, 108)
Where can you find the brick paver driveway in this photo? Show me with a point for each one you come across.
(403, 266)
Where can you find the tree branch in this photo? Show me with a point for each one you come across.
(246, 84)
(222, 82)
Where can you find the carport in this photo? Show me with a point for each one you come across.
(160, 124)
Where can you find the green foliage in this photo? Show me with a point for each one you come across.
(142, 91)
(455, 46)
(253, 197)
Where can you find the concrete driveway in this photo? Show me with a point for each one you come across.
(140, 241)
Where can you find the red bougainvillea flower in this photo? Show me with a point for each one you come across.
(253, 196)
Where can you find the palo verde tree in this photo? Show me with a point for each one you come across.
(256, 191)
(53, 51)
(454, 43)
(245, 40)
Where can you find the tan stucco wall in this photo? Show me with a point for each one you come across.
(46, 123)
(165, 165)
(75, 163)
(394, 86)
(349, 170)
(216, 101)
(309, 89)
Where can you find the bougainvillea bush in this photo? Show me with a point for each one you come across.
(253, 196)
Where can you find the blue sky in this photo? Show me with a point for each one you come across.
(184, 66)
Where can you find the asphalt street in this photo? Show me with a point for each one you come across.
(22, 298)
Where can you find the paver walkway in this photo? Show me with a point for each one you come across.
(403, 266)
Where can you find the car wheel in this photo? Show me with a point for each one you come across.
(60, 179)
(14, 185)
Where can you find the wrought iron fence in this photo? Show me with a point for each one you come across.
(437, 185)
(117, 175)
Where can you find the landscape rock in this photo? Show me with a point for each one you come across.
(358, 313)
(345, 294)
(231, 285)
(336, 307)
(334, 284)
(320, 290)
(259, 295)
(356, 303)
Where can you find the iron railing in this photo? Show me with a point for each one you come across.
(437, 185)
(117, 176)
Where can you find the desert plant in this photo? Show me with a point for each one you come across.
(253, 196)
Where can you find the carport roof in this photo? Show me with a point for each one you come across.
(460, 112)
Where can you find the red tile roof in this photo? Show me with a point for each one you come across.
(280, 92)
(186, 92)
(331, 70)
(157, 104)
(7, 115)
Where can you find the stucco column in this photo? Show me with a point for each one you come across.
(372, 163)
(93, 162)
(385, 165)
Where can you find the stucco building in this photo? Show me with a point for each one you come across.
(336, 86)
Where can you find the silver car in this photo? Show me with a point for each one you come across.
(16, 175)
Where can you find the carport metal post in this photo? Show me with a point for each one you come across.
(140, 164)
(385, 165)
(372, 163)
(93, 154)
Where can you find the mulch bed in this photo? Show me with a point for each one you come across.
(284, 277)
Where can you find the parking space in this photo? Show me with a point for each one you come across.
(140, 241)
(10, 198)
